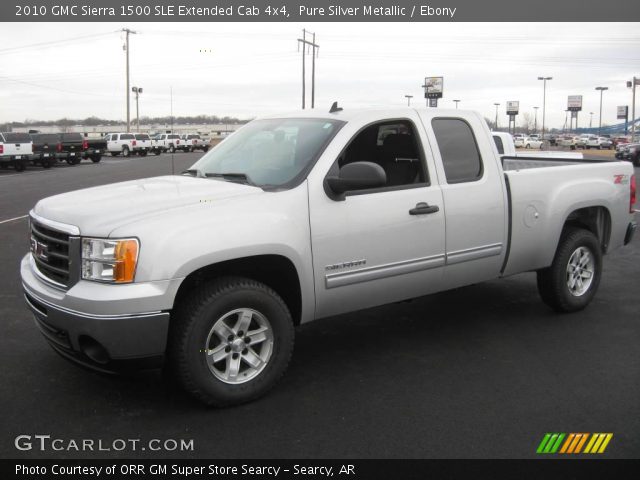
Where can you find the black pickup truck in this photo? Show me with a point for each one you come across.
(94, 148)
(71, 147)
(45, 147)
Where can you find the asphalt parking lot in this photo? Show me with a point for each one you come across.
(478, 372)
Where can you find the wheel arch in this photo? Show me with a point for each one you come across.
(596, 219)
(276, 271)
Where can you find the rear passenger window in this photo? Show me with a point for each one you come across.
(499, 144)
(458, 149)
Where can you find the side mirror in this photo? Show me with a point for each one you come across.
(356, 176)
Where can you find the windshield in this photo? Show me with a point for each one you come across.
(269, 152)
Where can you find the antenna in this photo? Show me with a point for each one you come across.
(335, 108)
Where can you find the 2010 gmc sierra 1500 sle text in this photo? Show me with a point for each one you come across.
(303, 216)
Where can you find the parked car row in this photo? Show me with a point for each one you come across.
(531, 141)
(629, 152)
(18, 150)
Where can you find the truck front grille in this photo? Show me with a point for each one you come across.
(50, 251)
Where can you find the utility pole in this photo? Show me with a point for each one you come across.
(544, 99)
(590, 119)
(306, 43)
(635, 81)
(602, 89)
(126, 48)
(497, 105)
(535, 120)
(408, 97)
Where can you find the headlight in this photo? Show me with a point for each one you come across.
(112, 261)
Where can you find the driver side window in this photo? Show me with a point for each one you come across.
(394, 146)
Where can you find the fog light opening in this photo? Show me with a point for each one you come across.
(92, 349)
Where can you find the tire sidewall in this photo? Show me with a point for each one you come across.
(242, 296)
(572, 241)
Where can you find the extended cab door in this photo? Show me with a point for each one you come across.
(474, 195)
(378, 245)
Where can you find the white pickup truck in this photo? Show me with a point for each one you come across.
(166, 142)
(191, 142)
(16, 150)
(303, 216)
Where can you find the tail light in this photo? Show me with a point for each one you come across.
(1, 149)
(133, 143)
(85, 145)
(632, 196)
(177, 142)
(59, 147)
(193, 141)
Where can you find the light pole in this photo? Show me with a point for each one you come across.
(457, 101)
(602, 89)
(632, 84)
(497, 105)
(138, 92)
(544, 99)
(590, 119)
(409, 97)
(535, 120)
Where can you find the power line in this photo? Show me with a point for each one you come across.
(11, 50)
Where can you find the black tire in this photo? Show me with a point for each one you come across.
(142, 153)
(115, 154)
(96, 158)
(172, 149)
(157, 152)
(76, 160)
(553, 281)
(47, 164)
(205, 149)
(125, 151)
(19, 166)
(191, 328)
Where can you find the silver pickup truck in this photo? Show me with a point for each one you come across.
(304, 216)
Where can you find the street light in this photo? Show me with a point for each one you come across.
(409, 97)
(138, 92)
(535, 120)
(544, 99)
(602, 89)
(457, 101)
(497, 105)
(590, 119)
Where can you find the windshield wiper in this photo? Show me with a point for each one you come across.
(232, 177)
(194, 171)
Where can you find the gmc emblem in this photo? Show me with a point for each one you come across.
(39, 249)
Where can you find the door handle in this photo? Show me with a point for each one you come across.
(423, 208)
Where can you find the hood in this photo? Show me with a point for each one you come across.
(100, 210)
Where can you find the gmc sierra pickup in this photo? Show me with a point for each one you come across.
(304, 216)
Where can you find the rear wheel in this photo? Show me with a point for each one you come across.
(19, 166)
(231, 341)
(96, 158)
(142, 153)
(157, 152)
(125, 151)
(572, 280)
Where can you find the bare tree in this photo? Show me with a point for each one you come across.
(527, 122)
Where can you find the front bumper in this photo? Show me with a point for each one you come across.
(107, 327)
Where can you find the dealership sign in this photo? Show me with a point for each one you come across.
(513, 108)
(433, 87)
(574, 103)
(623, 112)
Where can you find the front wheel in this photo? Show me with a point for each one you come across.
(572, 280)
(231, 341)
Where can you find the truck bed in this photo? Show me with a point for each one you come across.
(524, 163)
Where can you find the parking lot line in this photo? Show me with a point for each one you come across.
(13, 219)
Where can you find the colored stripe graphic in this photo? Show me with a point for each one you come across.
(550, 443)
(573, 443)
(598, 443)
